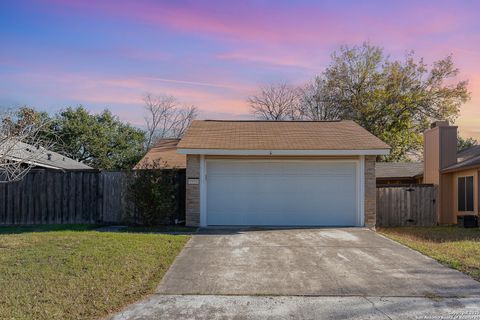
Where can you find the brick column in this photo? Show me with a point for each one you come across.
(370, 192)
(192, 196)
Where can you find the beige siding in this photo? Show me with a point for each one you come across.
(445, 200)
(448, 146)
(440, 151)
(431, 159)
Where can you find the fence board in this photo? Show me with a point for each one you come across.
(406, 206)
(8, 201)
(58, 198)
(46, 197)
(3, 209)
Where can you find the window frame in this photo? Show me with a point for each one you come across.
(465, 193)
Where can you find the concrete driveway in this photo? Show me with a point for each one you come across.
(325, 270)
(297, 262)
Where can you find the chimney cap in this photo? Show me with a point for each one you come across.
(439, 123)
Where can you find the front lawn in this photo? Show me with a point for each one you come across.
(160, 229)
(48, 227)
(75, 274)
(458, 248)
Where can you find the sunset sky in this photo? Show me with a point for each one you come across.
(212, 54)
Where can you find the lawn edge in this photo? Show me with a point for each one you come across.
(426, 256)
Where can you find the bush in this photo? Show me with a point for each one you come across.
(153, 192)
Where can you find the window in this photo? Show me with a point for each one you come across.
(465, 193)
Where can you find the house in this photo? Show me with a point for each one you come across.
(389, 173)
(455, 174)
(164, 155)
(280, 173)
(40, 157)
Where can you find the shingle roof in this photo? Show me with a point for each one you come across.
(165, 152)
(468, 153)
(468, 158)
(44, 158)
(279, 135)
(398, 169)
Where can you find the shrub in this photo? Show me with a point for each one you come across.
(153, 192)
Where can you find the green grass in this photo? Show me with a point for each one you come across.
(159, 229)
(50, 227)
(73, 274)
(458, 248)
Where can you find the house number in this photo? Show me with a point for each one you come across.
(193, 181)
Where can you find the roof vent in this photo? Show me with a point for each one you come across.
(49, 156)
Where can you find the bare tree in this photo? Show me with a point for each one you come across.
(314, 102)
(276, 102)
(21, 143)
(166, 118)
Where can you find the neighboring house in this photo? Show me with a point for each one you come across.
(42, 158)
(164, 156)
(456, 174)
(280, 173)
(389, 173)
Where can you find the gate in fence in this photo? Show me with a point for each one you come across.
(406, 205)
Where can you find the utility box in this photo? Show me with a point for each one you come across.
(467, 221)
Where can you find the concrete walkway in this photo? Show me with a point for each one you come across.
(305, 273)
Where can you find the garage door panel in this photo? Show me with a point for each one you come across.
(281, 193)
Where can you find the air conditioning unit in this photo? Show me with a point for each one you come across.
(467, 221)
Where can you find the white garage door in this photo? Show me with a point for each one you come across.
(281, 193)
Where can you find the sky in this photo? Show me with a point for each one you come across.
(213, 54)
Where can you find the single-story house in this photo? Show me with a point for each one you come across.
(389, 173)
(164, 155)
(455, 174)
(40, 158)
(280, 173)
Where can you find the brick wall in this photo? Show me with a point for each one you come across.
(370, 192)
(192, 197)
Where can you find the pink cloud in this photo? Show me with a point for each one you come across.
(274, 58)
(260, 39)
(276, 24)
(128, 92)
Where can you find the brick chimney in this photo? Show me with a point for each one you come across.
(439, 150)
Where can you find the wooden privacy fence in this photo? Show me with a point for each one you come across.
(413, 205)
(91, 196)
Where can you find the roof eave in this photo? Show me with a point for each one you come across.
(461, 168)
(33, 163)
(242, 152)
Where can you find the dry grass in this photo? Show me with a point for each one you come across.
(458, 248)
(79, 274)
